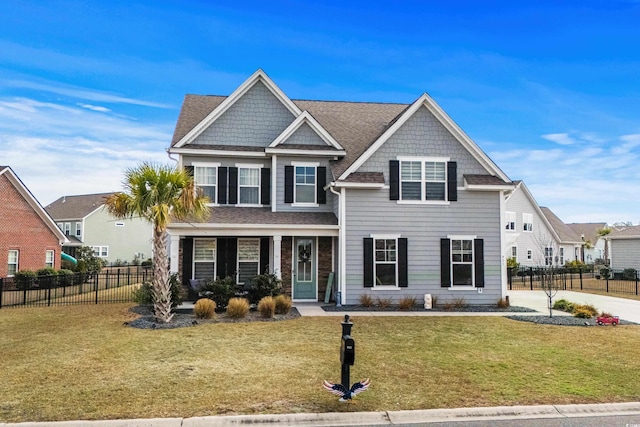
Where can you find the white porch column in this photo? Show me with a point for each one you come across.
(174, 251)
(277, 256)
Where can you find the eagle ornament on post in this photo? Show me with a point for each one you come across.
(347, 359)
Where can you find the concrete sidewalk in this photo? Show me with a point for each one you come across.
(368, 418)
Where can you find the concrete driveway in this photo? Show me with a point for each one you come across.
(627, 309)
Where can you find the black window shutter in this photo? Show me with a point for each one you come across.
(264, 255)
(394, 180)
(222, 185)
(452, 181)
(403, 277)
(368, 262)
(288, 184)
(187, 259)
(321, 181)
(233, 186)
(265, 186)
(190, 171)
(445, 263)
(478, 261)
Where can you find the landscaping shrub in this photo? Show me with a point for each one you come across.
(65, 277)
(604, 273)
(434, 301)
(238, 308)
(144, 294)
(383, 303)
(204, 308)
(219, 290)
(563, 305)
(267, 307)
(283, 304)
(629, 274)
(503, 303)
(25, 279)
(264, 285)
(584, 311)
(459, 303)
(47, 277)
(407, 303)
(605, 314)
(366, 300)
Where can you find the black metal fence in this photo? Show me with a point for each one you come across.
(588, 278)
(111, 285)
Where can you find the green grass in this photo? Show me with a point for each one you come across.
(80, 362)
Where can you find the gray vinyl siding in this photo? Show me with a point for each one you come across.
(256, 119)
(281, 206)
(422, 136)
(475, 213)
(625, 253)
(535, 240)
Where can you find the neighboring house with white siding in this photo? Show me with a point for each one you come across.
(394, 199)
(593, 248)
(535, 236)
(86, 222)
(624, 247)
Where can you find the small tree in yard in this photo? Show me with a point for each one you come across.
(548, 270)
(158, 193)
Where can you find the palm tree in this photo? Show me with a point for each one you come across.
(158, 193)
(603, 232)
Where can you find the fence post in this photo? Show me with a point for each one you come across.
(608, 282)
(531, 277)
(636, 288)
(49, 286)
(118, 278)
(96, 285)
(2, 289)
(580, 271)
(509, 270)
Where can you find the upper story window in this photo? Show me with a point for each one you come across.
(12, 262)
(417, 180)
(67, 228)
(510, 218)
(206, 180)
(49, 258)
(249, 185)
(78, 229)
(527, 221)
(305, 187)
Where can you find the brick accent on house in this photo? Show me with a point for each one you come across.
(285, 254)
(22, 229)
(324, 265)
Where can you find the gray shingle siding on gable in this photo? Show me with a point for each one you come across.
(256, 119)
(422, 136)
(304, 135)
(475, 213)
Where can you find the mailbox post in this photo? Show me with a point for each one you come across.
(347, 351)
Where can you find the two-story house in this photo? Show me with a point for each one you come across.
(535, 236)
(29, 239)
(86, 222)
(395, 199)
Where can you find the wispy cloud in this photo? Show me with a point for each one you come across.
(94, 107)
(559, 138)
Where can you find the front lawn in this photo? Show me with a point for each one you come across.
(80, 362)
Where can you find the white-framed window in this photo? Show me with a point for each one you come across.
(510, 218)
(12, 262)
(527, 222)
(60, 226)
(385, 260)
(548, 255)
(67, 228)
(204, 258)
(305, 184)
(78, 229)
(423, 179)
(561, 253)
(529, 254)
(462, 268)
(49, 258)
(248, 259)
(206, 179)
(248, 185)
(514, 252)
(101, 251)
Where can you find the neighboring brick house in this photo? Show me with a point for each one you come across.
(535, 236)
(85, 222)
(29, 239)
(394, 199)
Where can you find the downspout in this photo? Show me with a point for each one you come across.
(503, 243)
(342, 261)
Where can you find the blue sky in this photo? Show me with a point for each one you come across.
(549, 89)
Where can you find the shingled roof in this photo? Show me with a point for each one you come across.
(75, 207)
(588, 229)
(565, 233)
(246, 215)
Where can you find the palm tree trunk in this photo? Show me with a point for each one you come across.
(161, 286)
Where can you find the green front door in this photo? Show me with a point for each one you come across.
(304, 269)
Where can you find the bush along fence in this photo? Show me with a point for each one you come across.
(588, 278)
(64, 287)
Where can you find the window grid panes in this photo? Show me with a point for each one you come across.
(248, 259)
(510, 220)
(78, 229)
(462, 262)
(12, 262)
(385, 259)
(305, 263)
(206, 180)
(204, 256)
(101, 251)
(305, 184)
(423, 180)
(249, 186)
(527, 222)
(48, 260)
(548, 256)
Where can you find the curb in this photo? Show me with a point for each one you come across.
(424, 416)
